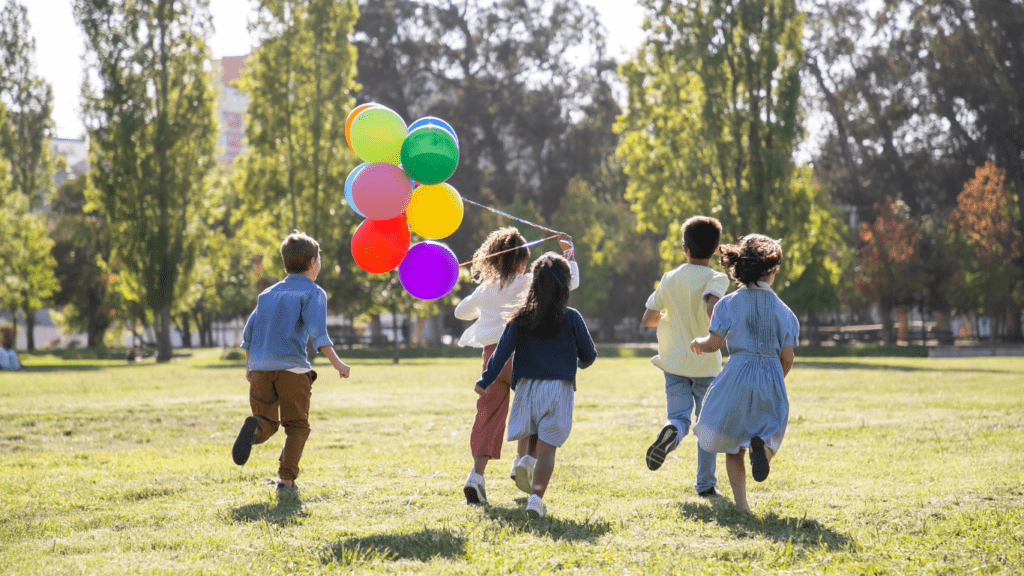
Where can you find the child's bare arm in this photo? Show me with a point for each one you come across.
(712, 300)
(651, 318)
(341, 367)
(706, 345)
(786, 357)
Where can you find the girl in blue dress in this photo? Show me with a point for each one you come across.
(746, 407)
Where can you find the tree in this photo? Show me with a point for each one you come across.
(151, 125)
(299, 82)
(82, 252)
(711, 124)
(986, 228)
(24, 131)
(888, 269)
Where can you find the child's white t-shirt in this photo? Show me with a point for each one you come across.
(682, 298)
(490, 302)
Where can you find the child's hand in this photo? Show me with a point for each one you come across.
(695, 347)
(565, 242)
(343, 369)
(479, 390)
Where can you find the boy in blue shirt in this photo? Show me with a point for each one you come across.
(280, 376)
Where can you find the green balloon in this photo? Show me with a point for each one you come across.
(377, 135)
(430, 155)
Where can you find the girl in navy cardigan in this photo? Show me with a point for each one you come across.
(550, 340)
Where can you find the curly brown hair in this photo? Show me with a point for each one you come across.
(506, 261)
(542, 312)
(749, 259)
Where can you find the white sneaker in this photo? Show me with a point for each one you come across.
(512, 472)
(535, 507)
(475, 491)
(524, 473)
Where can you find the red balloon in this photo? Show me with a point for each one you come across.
(379, 246)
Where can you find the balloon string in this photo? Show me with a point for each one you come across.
(499, 212)
(527, 245)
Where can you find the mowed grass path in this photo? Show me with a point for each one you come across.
(889, 466)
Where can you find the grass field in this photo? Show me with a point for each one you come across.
(890, 466)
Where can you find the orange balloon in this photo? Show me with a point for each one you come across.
(351, 118)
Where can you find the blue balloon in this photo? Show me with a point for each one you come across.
(348, 188)
(434, 121)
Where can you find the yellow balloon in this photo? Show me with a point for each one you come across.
(435, 210)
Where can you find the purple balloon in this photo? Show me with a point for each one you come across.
(381, 191)
(429, 270)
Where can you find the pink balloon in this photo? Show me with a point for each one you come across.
(381, 191)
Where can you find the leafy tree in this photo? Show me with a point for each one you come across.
(299, 82)
(25, 128)
(82, 252)
(986, 227)
(150, 118)
(710, 128)
(888, 268)
(525, 84)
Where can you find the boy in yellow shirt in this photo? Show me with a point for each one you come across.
(681, 308)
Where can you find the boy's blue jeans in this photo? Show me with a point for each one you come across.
(684, 395)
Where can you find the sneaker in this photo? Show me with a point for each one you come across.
(246, 438)
(475, 491)
(662, 444)
(524, 473)
(512, 472)
(710, 493)
(758, 459)
(283, 488)
(535, 507)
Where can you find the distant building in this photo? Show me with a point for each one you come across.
(75, 155)
(231, 109)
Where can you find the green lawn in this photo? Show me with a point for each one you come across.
(890, 466)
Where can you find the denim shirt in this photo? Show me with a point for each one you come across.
(287, 314)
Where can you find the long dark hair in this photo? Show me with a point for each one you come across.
(753, 256)
(508, 245)
(542, 312)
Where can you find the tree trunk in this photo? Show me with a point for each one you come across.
(186, 331)
(92, 327)
(376, 331)
(394, 333)
(30, 330)
(1013, 327)
(164, 351)
(887, 327)
(902, 324)
(943, 327)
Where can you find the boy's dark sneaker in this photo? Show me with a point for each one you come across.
(246, 438)
(710, 493)
(657, 452)
(283, 489)
(758, 459)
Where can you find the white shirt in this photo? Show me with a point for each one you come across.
(490, 302)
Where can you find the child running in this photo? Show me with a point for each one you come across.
(746, 407)
(550, 340)
(280, 376)
(499, 267)
(681, 308)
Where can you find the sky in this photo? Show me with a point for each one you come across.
(60, 44)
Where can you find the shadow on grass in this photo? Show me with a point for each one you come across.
(286, 510)
(799, 531)
(824, 365)
(549, 526)
(423, 546)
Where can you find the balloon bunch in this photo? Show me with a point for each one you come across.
(401, 187)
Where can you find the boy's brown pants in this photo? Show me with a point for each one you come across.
(281, 398)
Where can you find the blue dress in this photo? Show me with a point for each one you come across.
(748, 398)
